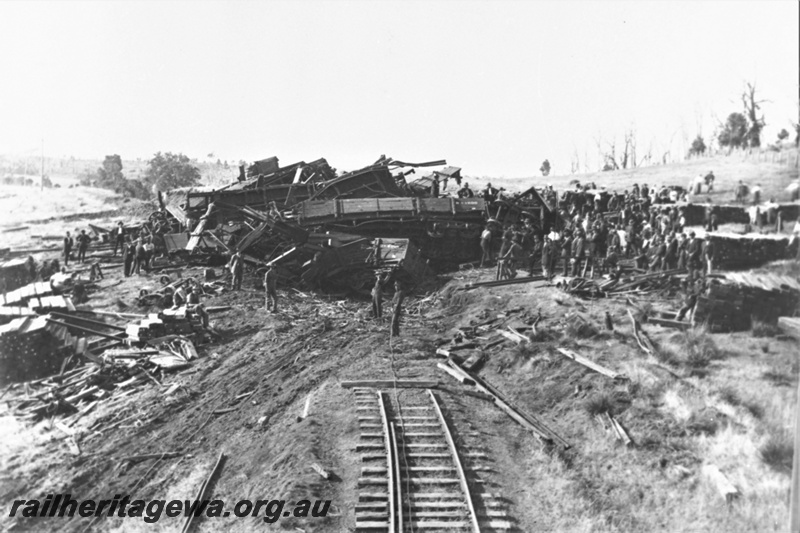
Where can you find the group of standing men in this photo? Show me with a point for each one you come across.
(596, 236)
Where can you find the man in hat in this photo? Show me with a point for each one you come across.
(565, 251)
(513, 256)
(119, 238)
(68, 243)
(693, 255)
(377, 297)
(196, 305)
(578, 250)
(236, 266)
(271, 289)
(83, 245)
(397, 308)
(486, 245)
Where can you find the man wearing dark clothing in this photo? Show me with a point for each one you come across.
(671, 257)
(465, 192)
(693, 292)
(119, 239)
(536, 254)
(83, 245)
(377, 297)
(237, 271)
(566, 252)
(397, 308)
(490, 194)
(271, 289)
(578, 249)
(693, 255)
(139, 259)
(68, 243)
(128, 253)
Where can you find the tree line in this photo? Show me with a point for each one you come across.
(164, 171)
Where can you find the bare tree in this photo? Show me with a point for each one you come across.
(751, 109)
(575, 162)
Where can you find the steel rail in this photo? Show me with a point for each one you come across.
(476, 528)
(390, 466)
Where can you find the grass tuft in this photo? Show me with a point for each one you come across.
(599, 403)
(579, 328)
(778, 451)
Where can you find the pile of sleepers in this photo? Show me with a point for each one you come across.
(665, 282)
(180, 321)
(747, 251)
(33, 346)
(733, 302)
(76, 392)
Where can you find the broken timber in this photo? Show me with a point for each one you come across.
(202, 492)
(525, 419)
(457, 375)
(726, 489)
(590, 364)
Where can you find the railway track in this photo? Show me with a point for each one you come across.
(417, 474)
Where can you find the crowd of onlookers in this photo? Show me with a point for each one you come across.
(599, 230)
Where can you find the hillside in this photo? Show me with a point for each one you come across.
(723, 400)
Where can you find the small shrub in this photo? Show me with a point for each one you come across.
(598, 404)
(730, 396)
(755, 408)
(700, 345)
(578, 328)
(642, 312)
(668, 356)
(705, 421)
(777, 452)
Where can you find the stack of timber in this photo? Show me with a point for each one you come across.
(17, 272)
(734, 251)
(733, 302)
(31, 347)
(726, 214)
(181, 321)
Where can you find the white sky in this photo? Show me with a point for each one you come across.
(492, 86)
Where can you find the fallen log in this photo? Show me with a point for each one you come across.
(202, 492)
(668, 323)
(460, 377)
(591, 364)
(525, 419)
